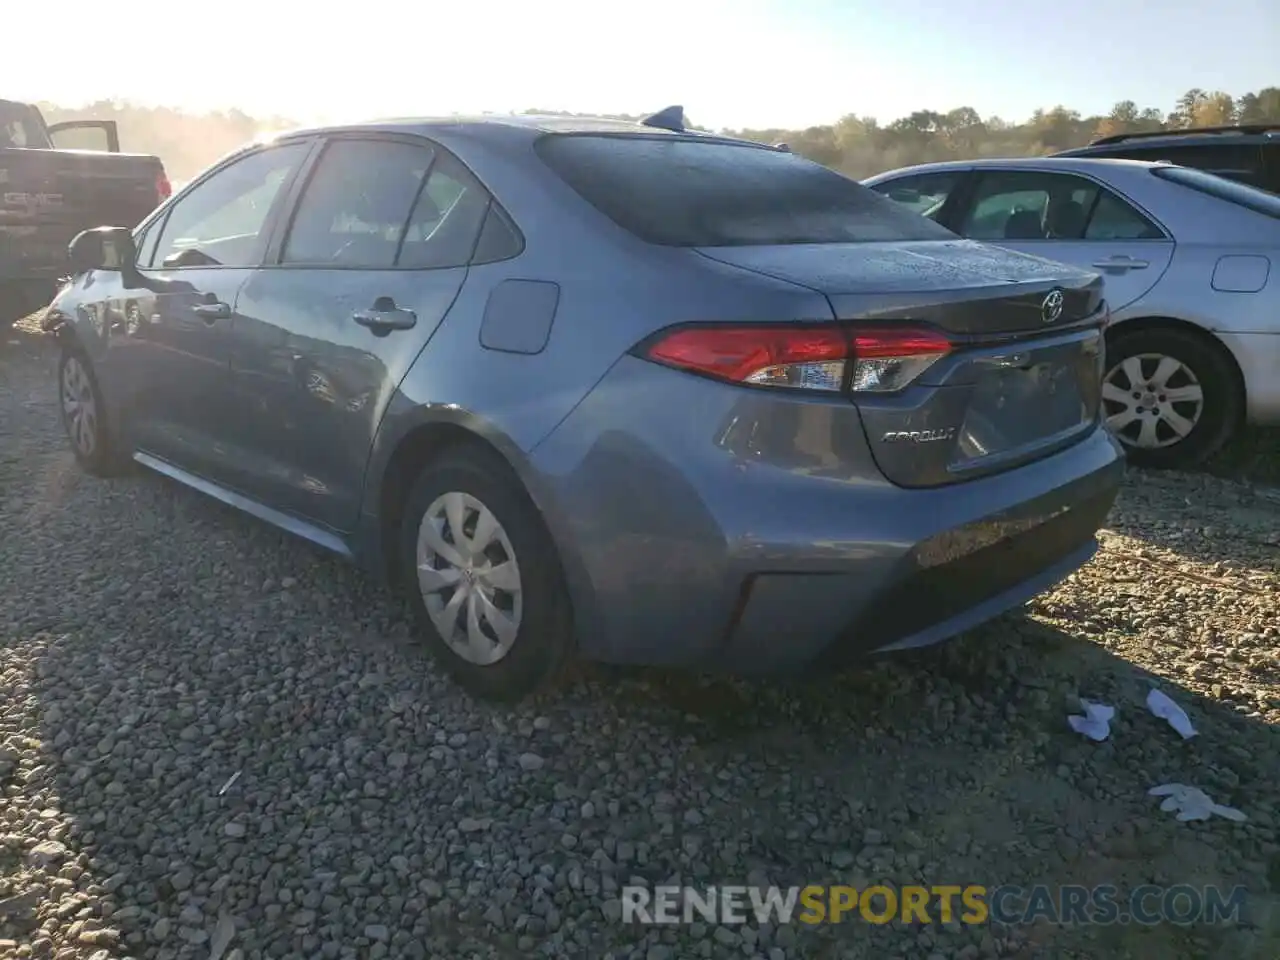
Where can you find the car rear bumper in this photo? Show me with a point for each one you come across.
(716, 527)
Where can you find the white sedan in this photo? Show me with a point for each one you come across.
(1191, 263)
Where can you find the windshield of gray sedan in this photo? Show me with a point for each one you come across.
(686, 192)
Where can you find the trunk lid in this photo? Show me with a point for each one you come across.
(1023, 380)
(961, 286)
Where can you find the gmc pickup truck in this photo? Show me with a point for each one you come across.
(49, 193)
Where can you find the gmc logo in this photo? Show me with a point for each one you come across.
(33, 199)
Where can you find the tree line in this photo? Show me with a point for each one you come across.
(855, 145)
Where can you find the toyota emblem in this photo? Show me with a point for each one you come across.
(1051, 309)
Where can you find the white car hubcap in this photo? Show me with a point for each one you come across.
(469, 578)
(1152, 401)
(79, 406)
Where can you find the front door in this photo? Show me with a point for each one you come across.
(208, 245)
(372, 259)
(1071, 219)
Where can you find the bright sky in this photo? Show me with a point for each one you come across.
(730, 63)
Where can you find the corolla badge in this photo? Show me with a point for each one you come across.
(919, 436)
(1051, 309)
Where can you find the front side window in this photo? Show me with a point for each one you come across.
(222, 221)
(683, 191)
(925, 193)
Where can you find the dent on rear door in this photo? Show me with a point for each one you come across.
(315, 383)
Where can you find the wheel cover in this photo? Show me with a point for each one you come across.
(79, 407)
(469, 578)
(1151, 401)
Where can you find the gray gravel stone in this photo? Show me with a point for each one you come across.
(529, 762)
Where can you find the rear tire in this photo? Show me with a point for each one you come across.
(491, 603)
(1171, 397)
(83, 414)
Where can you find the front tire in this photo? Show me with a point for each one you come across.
(83, 415)
(483, 578)
(1171, 397)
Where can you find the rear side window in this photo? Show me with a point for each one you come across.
(355, 207)
(379, 204)
(498, 239)
(682, 192)
(446, 219)
(1242, 195)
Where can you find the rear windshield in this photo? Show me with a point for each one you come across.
(681, 192)
(1241, 194)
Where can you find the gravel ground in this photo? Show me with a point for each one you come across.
(153, 644)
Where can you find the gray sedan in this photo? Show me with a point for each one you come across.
(1192, 268)
(599, 388)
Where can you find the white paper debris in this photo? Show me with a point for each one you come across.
(1192, 803)
(1164, 708)
(1096, 722)
(223, 934)
(227, 786)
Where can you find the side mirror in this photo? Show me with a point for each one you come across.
(106, 248)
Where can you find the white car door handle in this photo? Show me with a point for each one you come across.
(1120, 263)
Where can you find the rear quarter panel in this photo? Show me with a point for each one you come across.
(614, 291)
(1203, 286)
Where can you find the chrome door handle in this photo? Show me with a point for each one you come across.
(383, 318)
(1120, 263)
(209, 312)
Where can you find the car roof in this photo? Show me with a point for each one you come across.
(1083, 164)
(1157, 139)
(510, 126)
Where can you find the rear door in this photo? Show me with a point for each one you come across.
(1073, 219)
(359, 278)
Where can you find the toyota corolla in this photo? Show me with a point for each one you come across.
(590, 388)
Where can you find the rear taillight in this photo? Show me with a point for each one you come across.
(811, 357)
(164, 189)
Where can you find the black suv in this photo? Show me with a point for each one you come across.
(1249, 153)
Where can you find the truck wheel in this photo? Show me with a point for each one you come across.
(483, 578)
(84, 416)
(1171, 397)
